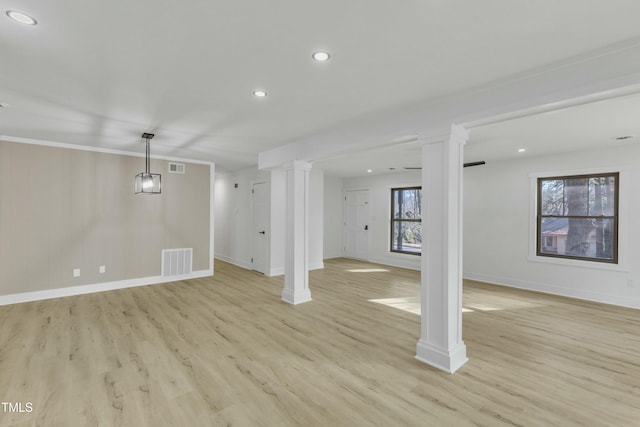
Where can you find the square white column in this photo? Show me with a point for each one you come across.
(440, 343)
(296, 260)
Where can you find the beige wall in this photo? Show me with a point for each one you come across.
(62, 209)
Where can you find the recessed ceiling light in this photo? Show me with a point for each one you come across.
(368, 170)
(259, 93)
(20, 17)
(521, 150)
(321, 56)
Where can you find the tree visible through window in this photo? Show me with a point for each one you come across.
(406, 220)
(578, 217)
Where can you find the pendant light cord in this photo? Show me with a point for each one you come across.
(147, 159)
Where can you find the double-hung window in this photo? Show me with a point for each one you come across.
(577, 217)
(406, 220)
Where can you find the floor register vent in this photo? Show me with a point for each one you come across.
(176, 262)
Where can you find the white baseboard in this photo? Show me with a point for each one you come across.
(448, 360)
(316, 265)
(302, 296)
(623, 301)
(279, 271)
(276, 271)
(222, 258)
(97, 287)
(239, 263)
(408, 264)
(271, 272)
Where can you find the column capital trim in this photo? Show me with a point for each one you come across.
(458, 133)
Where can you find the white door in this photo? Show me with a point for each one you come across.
(356, 225)
(260, 206)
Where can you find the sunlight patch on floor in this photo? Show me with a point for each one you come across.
(499, 303)
(408, 304)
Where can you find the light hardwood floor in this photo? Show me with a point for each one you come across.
(227, 351)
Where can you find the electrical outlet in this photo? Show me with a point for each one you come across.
(76, 272)
(102, 269)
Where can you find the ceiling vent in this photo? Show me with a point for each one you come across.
(176, 168)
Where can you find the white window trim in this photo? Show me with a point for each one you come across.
(623, 203)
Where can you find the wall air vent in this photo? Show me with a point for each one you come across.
(176, 168)
(176, 262)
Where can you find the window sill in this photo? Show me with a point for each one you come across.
(579, 263)
(406, 253)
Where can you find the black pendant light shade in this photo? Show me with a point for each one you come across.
(147, 182)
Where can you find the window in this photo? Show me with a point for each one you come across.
(406, 220)
(578, 217)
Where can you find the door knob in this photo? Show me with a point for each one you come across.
(366, 227)
(261, 232)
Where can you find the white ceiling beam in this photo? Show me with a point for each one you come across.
(606, 73)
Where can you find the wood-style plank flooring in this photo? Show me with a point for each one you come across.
(226, 351)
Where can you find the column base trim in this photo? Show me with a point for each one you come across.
(443, 359)
(298, 297)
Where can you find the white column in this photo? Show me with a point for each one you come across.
(441, 342)
(296, 258)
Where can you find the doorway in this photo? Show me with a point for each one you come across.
(260, 243)
(356, 225)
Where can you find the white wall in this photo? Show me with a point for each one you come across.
(379, 187)
(234, 218)
(224, 197)
(497, 227)
(277, 206)
(333, 217)
(316, 218)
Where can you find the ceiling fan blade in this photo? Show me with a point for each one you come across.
(482, 162)
(466, 165)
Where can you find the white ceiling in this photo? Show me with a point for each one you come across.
(591, 125)
(102, 72)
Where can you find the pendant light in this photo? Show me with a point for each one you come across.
(147, 182)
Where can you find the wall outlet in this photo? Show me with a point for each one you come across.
(102, 269)
(76, 272)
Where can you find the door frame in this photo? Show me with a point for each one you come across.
(265, 216)
(344, 221)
